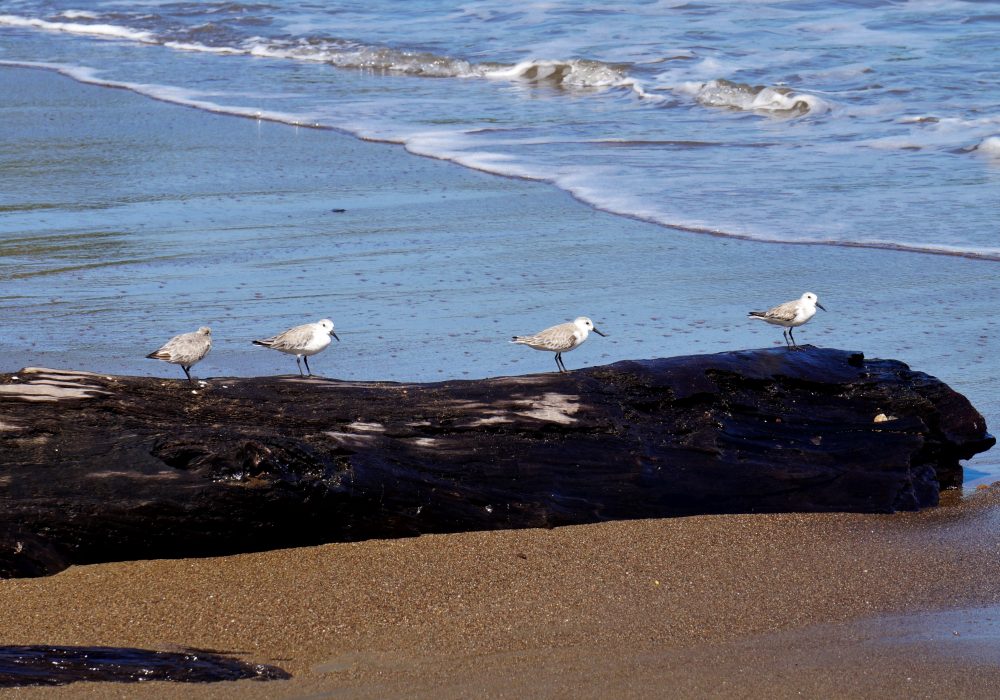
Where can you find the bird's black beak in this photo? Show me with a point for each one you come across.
(335, 336)
(603, 335)
(820, 306)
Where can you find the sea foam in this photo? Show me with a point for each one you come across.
(173, 95)
(740, 96)
(107, 31)
(990, 146)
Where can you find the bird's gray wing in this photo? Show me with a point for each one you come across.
(189, 347)
(556, 338)
(166, 351)
(783, 312)
(292, 339)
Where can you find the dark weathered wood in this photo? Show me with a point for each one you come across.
(125, 468)
(60, 665)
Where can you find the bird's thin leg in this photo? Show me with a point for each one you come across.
(794, 344)
(784, 334)
(187, 373)
(562, 363)
(299, 365)
(306, 358)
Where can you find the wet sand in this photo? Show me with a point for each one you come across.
(729, 606)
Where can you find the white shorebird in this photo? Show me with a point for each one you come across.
(559, 339)
(791, 314)
(302, 341)
(186, 350)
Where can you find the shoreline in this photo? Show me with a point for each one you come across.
(73, 73)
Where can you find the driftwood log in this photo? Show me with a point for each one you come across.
(96, 468)
(47, 665)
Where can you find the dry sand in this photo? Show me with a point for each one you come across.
(724, 606)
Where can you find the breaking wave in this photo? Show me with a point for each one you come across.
(779, 101)
(990, 146)
(568, 74)
(342, 53)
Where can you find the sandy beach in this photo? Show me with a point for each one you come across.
(721, 606)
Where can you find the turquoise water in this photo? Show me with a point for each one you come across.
(124, 220)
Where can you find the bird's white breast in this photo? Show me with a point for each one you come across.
(319, 340)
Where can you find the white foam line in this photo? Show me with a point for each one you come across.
(201, 48)
(432, 146)
(107, 31)
(491, 163)
(167, 94)
(989, 254)
(78, 14)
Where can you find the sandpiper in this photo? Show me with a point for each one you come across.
(791, 314)
(186, 350)
(559, 339)
(302, 341)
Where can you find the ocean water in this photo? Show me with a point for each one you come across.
(851, 122)
(730, 156)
